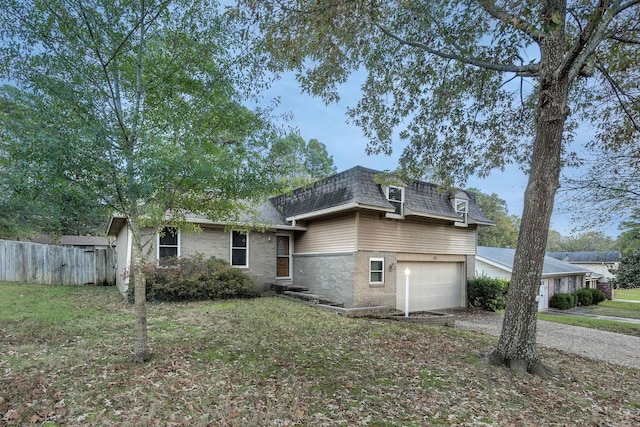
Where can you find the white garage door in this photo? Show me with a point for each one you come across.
(432, 285)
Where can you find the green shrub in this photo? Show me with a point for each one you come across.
(563, 301)
(487, 293)
(197, 278)
(597, 296)
(584, 297)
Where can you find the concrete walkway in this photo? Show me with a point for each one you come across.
(627, 300)
(610, 347)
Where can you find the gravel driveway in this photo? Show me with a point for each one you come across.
(608, 346)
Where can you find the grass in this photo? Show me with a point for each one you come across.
(631, 294)
(590, 322)
(64, 360)
(629, 310)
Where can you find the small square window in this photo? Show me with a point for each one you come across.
(376, 271)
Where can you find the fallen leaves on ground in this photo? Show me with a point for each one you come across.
(271, 361)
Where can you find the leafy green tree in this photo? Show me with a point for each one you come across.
(505, 233)
(627, 275)
(554, 241)
(138, 102)
(32, 204)
(581, 242)
(473, 85)
(629, 239)
(297, 163)
(15, 215)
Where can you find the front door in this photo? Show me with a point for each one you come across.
(283, 256)
(543, 295)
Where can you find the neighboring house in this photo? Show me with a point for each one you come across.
(557, 276)
(598, 262)
(70, 241)
(348, 239)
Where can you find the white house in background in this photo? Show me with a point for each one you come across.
(598, 262)
(557, 276)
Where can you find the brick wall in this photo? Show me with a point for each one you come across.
(370, 295)
(606, 289)
(216, 242)
(329, 275)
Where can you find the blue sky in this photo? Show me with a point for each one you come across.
(345, 142)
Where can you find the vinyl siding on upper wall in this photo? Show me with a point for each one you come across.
(407, 235)
(335, 234)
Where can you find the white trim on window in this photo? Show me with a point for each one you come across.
(393, 199)
(376, 271)
(461, 206)
(168, 245)
(239, 249)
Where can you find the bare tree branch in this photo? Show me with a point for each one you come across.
(508, 18)
(624, 40)
(617, 90)
(625, 6)
(522, 70)
(588, 40)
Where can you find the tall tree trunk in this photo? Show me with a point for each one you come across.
(517, 344)
(140, 348)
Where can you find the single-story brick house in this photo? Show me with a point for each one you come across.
(348, 239)
(600, 262)
(557, 276)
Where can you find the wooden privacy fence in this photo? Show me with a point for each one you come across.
(56, 265)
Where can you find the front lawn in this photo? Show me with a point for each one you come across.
(593, 323)
(64, 360)
(630, 310)
(632, 294)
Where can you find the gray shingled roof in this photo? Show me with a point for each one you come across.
(264, 213)
(504, 258)
(590, 257)
(353, 186)
(357, 186)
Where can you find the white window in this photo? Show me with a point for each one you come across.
(239, 249)
(395, 195)
(462, 208)
(168, 244)
(376, 271)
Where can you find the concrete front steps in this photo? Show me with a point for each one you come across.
(301, 293)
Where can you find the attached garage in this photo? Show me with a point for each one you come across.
(432, 285)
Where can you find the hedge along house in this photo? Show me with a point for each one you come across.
(349, 239)
(557, 276)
